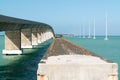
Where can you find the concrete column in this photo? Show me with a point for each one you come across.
(39, 35)
(49, 35)
(42, 37)
(34, 36)
(26, 38)
(46, 36)
(12, 42)
(43, 34)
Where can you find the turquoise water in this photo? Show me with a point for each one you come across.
(24, 67)
(109, 49)
(21, 67)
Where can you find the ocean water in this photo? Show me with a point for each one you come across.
(21, 67)
(24, 67)
(109, 49)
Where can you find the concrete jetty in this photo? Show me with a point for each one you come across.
(67, 61)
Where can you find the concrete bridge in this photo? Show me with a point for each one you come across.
(20, 33)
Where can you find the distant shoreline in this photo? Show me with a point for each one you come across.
(96, 36)
(86, 36)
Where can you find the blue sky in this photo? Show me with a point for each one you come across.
(67, 16)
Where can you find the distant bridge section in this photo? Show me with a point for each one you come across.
(20, 33)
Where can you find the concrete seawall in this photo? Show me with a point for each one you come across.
(67, 61)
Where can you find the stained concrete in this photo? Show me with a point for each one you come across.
(62, 46)
(34, 36)
(26, 38)
(77, 67)
(12, 42)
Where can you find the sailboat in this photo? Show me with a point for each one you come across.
(89, 36)
(94, 29)
(106, 35)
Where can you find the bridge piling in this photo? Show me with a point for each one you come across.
(34, 36)
(39, 35)
(12, 42)
(42, 37)
(26, 38)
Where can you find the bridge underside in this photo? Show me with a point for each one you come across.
(23, 34)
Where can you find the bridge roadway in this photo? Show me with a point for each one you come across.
(62, 46)
(20, 33)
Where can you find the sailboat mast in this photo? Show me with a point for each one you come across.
(94, 29)
(106, 25)
(89, 31)
(106, 38)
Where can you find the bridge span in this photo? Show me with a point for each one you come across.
(20, 33)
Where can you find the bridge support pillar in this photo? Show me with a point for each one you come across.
(49, 35)
(42, 37)
(34, 36)
(26, 38)
(46, 35)
(12, 42)
(39, 35)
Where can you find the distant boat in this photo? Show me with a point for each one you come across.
(89, 36)
(106, 35)
(94, 29)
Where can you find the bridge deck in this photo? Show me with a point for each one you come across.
(62, 46)
(12, 23)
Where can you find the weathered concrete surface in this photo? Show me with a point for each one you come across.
(77, 67)
(75, 63)
(26, 38)
(12, 42)
(64, 47)
(34, 36)
(79, 59)
(39, 35)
